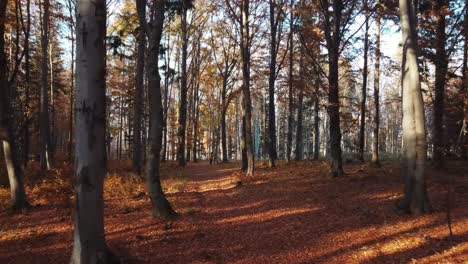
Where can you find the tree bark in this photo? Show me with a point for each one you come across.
(246, 99)
(138, 98)
(45, 147)
(317, 120)
(271, 88)
(333, 40)
(362, 127)
(375, 142)
(441, 63)
(299, 127)
(414, 134)
(89, 244)
(290, 93)
(27, 67)
(464, 139)
(183, 91)
(161, 206)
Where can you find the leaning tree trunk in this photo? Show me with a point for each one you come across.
(138, 99)
(362, 127)
(414, 134)
(247, 101)
(89, 244)
(441, 62)
(375, 142)
(183, 92)
(161, 206)
(14, 169)
(44, 126)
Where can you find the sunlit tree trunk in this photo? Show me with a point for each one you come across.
(161, 206)
(45, 146)
(414, 134)
(441, 62)
(375, 142)
(89, 245)
(362, 127)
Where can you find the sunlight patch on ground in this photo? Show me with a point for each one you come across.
(264, 216)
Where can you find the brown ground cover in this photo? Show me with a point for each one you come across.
(292, 214)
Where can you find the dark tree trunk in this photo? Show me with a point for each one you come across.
(161, 206)
(299, 127)
(317, 120)
(138, 97)
(271, 88)
(45, 147)
(89, 244)
(290, 94)
(362, 127)
(183, 92)
(464, 139)
(27, 67)
(441, 62)
(375, 142)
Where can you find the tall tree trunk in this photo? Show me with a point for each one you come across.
(414, 134)
(45, 148)
(183, 91)
(362, 126)
(10, 147)
(333, 39)
(464, 139)
(300, 99)
(223, 119)
(271, 88)
(89, 244)
(246, 99)
(375, 142)
(72, 99)
(441, 62)
(27, 67)
(317, 120)
(291, 93)
(139, 87)
(161, 206)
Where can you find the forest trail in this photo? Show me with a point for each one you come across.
(291, 214)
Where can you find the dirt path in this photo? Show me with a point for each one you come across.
(292, 214)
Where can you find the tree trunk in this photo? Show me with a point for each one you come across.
(27, 67)
(464, 139)
(414, 135)
(245, 51)
(223, 120)
(317, 120)
(13, 166)
(271, 89)
(45, 147)
(138, 99)
(161, 206)
(299, 127)
(183, 92)
(441, 62)
(290, 95)
(364, 86)
(375, 142)
(89, 244)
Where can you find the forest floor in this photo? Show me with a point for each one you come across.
(291, 214)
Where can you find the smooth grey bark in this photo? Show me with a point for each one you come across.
(362, 127)
(441, 67)
(183, 90)
(375, 143)
(415, 199)
(160, 204)
(44, 122)
(89, 245)
(71, 9)
(139, 89)
(333, 36)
